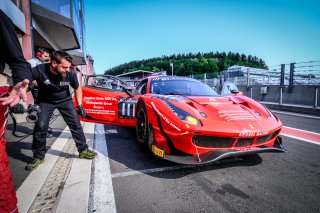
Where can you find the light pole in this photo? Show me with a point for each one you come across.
(171, 65)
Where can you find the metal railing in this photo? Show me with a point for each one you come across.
(294, 83)
(301, 73)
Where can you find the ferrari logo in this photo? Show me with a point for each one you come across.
(251, 126)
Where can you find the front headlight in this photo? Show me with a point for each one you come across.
(183, 115)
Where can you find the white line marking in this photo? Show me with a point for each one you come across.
(148, 171)
(302, 130)
(302, 139)
(170, 168)
(103, 190)
(296, 114)
(75, 194)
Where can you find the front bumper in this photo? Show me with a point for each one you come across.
(212, 156)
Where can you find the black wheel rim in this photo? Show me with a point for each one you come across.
(141, 125)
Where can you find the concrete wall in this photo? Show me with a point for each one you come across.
(301, 95)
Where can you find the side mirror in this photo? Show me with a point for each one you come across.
(234, 91)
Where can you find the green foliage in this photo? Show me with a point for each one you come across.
(190, 63)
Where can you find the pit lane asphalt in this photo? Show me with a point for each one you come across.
(273, 182)
(269, 182)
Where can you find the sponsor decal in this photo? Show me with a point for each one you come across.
(101, 112)
(97, 105)
(165, 118)
(250, 134)
(173, 79)
(236, 115)
(104, 101)
(247, 149)
(64, 83)
(157, 151)
(97, 98)
(47, 82)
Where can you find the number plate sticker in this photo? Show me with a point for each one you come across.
(157, 151)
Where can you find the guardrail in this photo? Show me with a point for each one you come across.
(285, 84)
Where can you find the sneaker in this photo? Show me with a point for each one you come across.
(87, 153)
(34, 163)
(49, 133)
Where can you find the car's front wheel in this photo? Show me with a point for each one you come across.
(142, 130)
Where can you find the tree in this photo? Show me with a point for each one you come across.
(187, 64)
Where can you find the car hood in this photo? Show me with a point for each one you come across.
(230, 114)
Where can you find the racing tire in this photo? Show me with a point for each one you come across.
(142, 127)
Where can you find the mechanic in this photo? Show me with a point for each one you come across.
(10, 53)
(53, 81)
(42, 56)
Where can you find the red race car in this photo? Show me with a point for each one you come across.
(183, 120)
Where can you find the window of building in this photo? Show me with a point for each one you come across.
(17, 3)
(61, 7)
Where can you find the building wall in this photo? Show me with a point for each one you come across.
(20, 13)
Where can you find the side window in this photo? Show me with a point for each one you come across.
(142, 87)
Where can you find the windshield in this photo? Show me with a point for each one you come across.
(183, 86)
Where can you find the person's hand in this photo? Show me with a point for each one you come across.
(18, 92)
(82, 111)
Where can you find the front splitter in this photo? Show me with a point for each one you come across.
(212, 156)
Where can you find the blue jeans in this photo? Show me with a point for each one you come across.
(70, 116)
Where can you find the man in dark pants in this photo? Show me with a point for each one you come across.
(53, 81)
(10, 53)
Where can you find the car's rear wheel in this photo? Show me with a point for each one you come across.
(142, 130)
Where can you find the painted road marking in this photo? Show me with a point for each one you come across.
(301, 130)
(103, 189)
(303, 135)
(296, 114)
(301, 139)
(169, 168)
(149, 171)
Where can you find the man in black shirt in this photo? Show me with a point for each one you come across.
(53, 82)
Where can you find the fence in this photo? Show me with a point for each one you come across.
(302, 73)
(294, 83)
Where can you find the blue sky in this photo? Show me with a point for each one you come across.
(278, 31)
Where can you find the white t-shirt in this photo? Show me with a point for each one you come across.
(34, 62)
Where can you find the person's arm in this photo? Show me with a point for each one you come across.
(35, 75)
(12, 50)
(13, 56)
(78, 95)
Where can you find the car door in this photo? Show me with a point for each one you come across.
(108, 100)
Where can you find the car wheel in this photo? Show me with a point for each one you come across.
(142, 128)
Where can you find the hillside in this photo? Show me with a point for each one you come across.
(187, 64)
